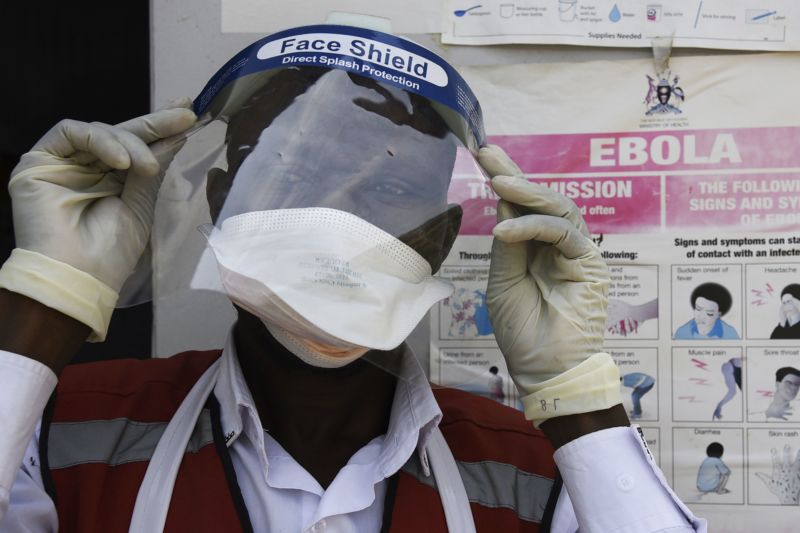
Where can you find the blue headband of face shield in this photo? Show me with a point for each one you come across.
(385, 58)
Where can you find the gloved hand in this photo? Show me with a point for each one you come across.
(83, 202)
(547, 296)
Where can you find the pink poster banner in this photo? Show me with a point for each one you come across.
(733, 148)
(630, 204)
(769, 201)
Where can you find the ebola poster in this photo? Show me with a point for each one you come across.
(726, 24)
(689, 180)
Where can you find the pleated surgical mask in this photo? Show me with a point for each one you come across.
(325, 275)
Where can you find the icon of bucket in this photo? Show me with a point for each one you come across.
(567, 10)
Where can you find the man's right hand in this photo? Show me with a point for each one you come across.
(83, 201)
(85, 193)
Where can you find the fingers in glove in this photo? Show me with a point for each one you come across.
(70, 137)
(495, 161)
(142, 160)
(509, 262)
(182, 102)
(554, 230)
(536, 198)
(161, 124)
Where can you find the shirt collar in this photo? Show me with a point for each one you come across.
(716, 331)
(415, 412)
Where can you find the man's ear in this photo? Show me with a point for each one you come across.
(218, 183)
(434, 238)
(452, 224)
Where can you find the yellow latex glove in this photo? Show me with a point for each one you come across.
(83, 200)
(547, 297)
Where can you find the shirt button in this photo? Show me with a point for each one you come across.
(625, 482)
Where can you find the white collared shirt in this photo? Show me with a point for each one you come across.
(600, 470)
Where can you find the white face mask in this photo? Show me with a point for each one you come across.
(326, 279)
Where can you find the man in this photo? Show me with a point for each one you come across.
(787, 383)
(308, 419)
(710, 301)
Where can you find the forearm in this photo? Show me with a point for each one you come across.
(563, 429)
(34, 330)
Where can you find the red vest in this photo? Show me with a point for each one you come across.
(102, 427)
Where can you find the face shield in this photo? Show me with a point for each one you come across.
(328, 178)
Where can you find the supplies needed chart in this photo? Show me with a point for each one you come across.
(728, 24)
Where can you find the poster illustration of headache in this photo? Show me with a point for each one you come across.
(689, 181)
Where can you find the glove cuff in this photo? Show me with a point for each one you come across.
(593, 385)
(61, 287)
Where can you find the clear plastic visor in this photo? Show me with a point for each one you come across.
(327, 138)
(308, 138)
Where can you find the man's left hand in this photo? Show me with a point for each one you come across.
(547, 296)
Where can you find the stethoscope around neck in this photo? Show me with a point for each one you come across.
(155, 492)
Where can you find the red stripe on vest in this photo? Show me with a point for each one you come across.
(151, 388)
(202, 500)
(96, 498)
(417, 508)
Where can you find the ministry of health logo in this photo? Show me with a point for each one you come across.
(660, 93)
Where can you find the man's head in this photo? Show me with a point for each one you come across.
(710, 301)
(715, 449)
(314, 137)
(494, 370)
(787, 383)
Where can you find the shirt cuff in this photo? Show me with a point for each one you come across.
(25, 388)
(616, 487)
